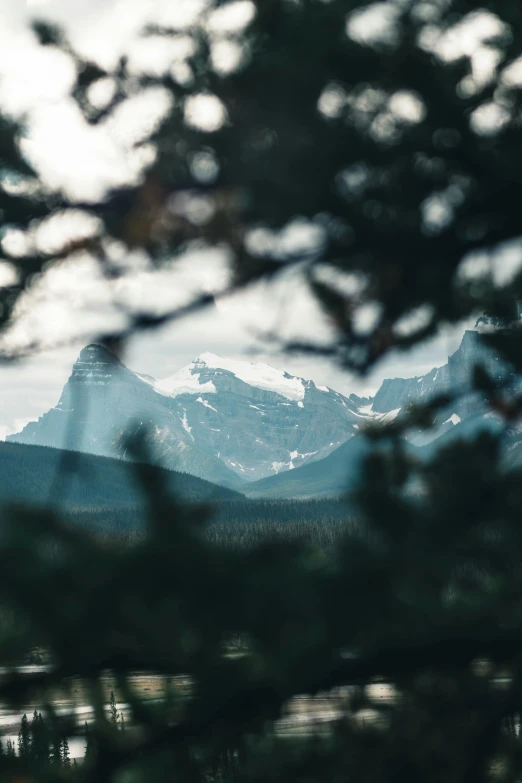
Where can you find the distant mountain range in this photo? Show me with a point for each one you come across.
(250, 426)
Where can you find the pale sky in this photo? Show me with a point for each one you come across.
(83, 161)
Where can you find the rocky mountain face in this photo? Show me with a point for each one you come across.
(452, 377)
(466, 414)
(336, 475)
(469, 406)
(260, 421)
(232, 422)
(104, 403)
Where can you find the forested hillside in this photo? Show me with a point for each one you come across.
(102, 495)
(238, 523)
(42, 475)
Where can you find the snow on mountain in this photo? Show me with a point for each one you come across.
(454, 419)
(261, 420)
(185, 381)
(262, 376)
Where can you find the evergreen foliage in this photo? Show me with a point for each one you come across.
(24, 739)
(56, 751)
(27, 475)
(39, 739)
(90, 745)
(66, 759)
(113, 711)
(404, 161)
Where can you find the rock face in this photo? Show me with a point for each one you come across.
(231, 421)
(453, 376)
(334, 476)
(103, 402)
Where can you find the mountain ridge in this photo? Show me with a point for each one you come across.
(233, 422)
(224, 420)
(28, 475)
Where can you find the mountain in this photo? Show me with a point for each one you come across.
(103, 403)
(332, 476)
(28, 474)
(223, 420)
(259, 420)
(339, 473)
(454, 376)
(251, 426)
(469, 412)
(465, 416)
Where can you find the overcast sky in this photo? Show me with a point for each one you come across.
(34, 84)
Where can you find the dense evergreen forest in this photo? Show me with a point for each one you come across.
(42, 475)
(236, 523)
(43, 745)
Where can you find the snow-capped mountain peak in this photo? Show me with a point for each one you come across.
(260, 376)
(185, 381)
